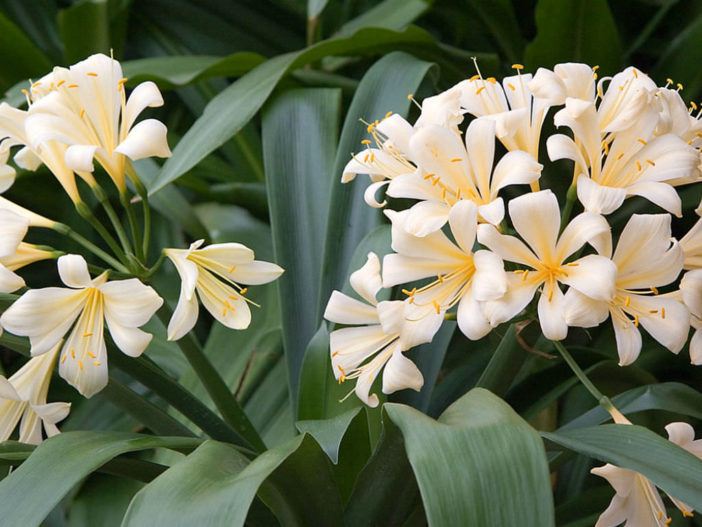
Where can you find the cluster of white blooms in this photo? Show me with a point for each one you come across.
(76, 116)
(626, 137)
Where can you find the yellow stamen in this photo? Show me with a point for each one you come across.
(436, 306)
(474, 78)
(387, 115)
(72, 85)
(91, 355)
(517, 67)
(335, 354)
(653, 311)
(524, 276)
(680, 86)
(573, 264)
(428, 176)
(620, 156)
(80, 365)
(224, 312)
(63, 359)
(662, 312)
(456, 160)
(73, 353)
(82, 112)
(638, 166)
(642, 141)
(366, 142)
(231, 269)
(243, 291)
(440, 278)
(477, 92)
(636, 320)
(511, 87)
(650, 162)
(410, 96)
(25, 92)
(627, 301)
(636, 74)
(58, 84)
(491, 80)
(92, 74)
(655, 291)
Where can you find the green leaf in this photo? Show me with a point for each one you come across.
(102, 500)
(670, 396)
(172, 71)
(85, 29)
(682, 51)
(574, 31)
(21, 59)
(499, 18)
(389, 14)
(215, 485)
(232, 108)
(383, 89)
(668, 466)
(31, 491)
(315, 7)
(480, 464)
(329, 432)
(299, 143)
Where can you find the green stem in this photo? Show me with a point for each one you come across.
(571, 196)
(133, 227)
(90, 246)
(88, 215)
(114, 220)
(602, 399)
(156, 265)
(144, 195)
(218, 390)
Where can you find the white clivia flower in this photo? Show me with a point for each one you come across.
(536, 218)
(691, 245)
(691, 295)
(24, 396)
(637, 501)
(460, 277)
(216, 273)
(85, 108)
(46, 315)
(646, 259)
(570, 79)
(381, 332)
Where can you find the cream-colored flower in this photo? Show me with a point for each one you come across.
(383, 330)
(14, 253)
(216, 273)
(23, 396)
(691, 295)
(646, 259)
(460, 277)
(536, 218)
(86, 108)
(691, 245)
(45, 315)
(637, 502)
(567, 80)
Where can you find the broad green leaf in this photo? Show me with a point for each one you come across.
(669, 396)
(232, 108)
(669, 467)
(574, 31)
(479, 464)
(329, 432)
(214, 486)
(172, 71)
(383, 89)
(299, 143)
(389, 14)
(680, 53)
(31, 491)
(102, 500)
(84, 29)
(23, 61)
(499, 18)
(37, 19)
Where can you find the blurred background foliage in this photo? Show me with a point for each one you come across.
(262, 102)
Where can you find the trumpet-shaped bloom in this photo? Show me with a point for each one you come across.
(617, 153)
(567, 80)
(460, 277)
(201, 269)
(45, 315)
(691, 245)
(691, 295)
(23, 396)
(536, 217)
(646, 259)
(86, 109)
(637, 502)
(381, 332)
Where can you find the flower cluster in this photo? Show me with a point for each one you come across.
(459, 245)
(77, 116)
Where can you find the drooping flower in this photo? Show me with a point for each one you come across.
(45, 315)
(23, 396)
(381, 332)
(216, 273)
(646, 259)
(461, 277)
(637, 502)
(536, 217)
(86, 109)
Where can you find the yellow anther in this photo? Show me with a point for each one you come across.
(224, 312)
(517, 67)
(653, 311)
(456, 160)
(226, 303)
(642, 141)
(370, 128)
(233, 297)
(694, 106)
(636, 75)
(655, 290)
(573, 264)
(650, 162)
(82, 112)
(387, 115)
(620, 156)
(435, 181)
(474, 77)
(595, 68)
(443, 193)
(343, 373)
(409, 293)
(72, 85)
(440, 278)
(372, 158)
(524, 276)
(365, 158)
(60, 83)
(550, 294)
(477, 92)
(429, 176)
(680, 86)
(627, 301)
(122, 80)
(687, 514)
(366, 142)
(25, 92)
(458, 194)
(660, 515)
(243, 291)
(231, 269)
(599, 92)
(80, 365)
(335, 354)
(636, 320)
(511, 87)
(96, 363)
(519, 271)
(669, 81)
(638, 166)
(621, 88)
(92, 74)
(410, 96)
(91, 355)
(491, 80)
(662, 312)
(87, 334)
(436, 306)
(73, 353)
(63, 359)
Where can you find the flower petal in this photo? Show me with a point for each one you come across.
(628, 340)
(343, 309)
(187, 270)
(129, 302)
(184, 316)
(80, 157)
(583, 228)
(13, 228)
(536, 217)
(366, 281)
(592, 275)
(493, 212)
(551, 310)
(73, 270)
(435, 244)
(471, 320)
(132, 341)
(463, 220)
(598, 198)
(490, 280)
(519, 294)
(401, 373)
(144, 95)
(352, 346)
(661, 194)
(9, 281)
(509, 248)
(665, 319)
(256, 273)
(584, 312)
(146, 139)
(515, 168)
(426, 217)
(223, 302)
(397, 130)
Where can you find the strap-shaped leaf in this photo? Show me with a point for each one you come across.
(479, 464)
(31, 491)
